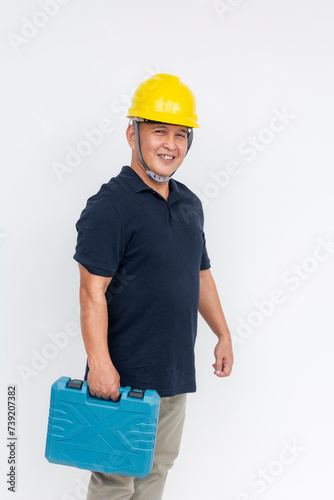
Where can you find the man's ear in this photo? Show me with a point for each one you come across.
(131, 136)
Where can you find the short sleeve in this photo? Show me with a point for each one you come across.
(100, 238)
(205, 261)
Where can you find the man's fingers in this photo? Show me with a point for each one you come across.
(222, 368)
(116, 397)
(218, 365)
(107, 395)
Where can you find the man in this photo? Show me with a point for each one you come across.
(144, 275)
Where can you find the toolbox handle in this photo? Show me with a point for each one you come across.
(83, 386)
(104, 401)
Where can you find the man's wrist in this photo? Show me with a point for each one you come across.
(98, 360)
(224, 335)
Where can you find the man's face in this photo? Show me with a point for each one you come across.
(163, 146)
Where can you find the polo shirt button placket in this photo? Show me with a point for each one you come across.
(169, 211)
(168, 207)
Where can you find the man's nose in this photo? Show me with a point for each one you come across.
(169, 141)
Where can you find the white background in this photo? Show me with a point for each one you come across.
(245, 61)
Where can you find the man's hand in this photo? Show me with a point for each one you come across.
(224, 358)
(104, 381)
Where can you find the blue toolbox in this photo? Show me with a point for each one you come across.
(116, 437)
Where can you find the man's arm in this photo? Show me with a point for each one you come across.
(103, 379)
(211, 311)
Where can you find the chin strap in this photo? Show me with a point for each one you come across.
(153, 175)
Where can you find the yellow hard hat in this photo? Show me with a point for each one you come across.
(164, 98)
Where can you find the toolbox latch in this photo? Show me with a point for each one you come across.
(75, 384)
(136, 393)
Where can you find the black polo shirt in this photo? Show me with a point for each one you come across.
(154, 251)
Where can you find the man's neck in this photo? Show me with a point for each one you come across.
(160, 187)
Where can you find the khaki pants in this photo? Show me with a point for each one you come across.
(170, 426)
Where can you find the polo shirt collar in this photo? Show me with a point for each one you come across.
(137, 184)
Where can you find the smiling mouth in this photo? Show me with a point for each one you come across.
(167, 157)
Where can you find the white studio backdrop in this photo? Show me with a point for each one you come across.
(262, 74)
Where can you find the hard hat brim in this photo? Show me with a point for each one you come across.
(163, 117)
